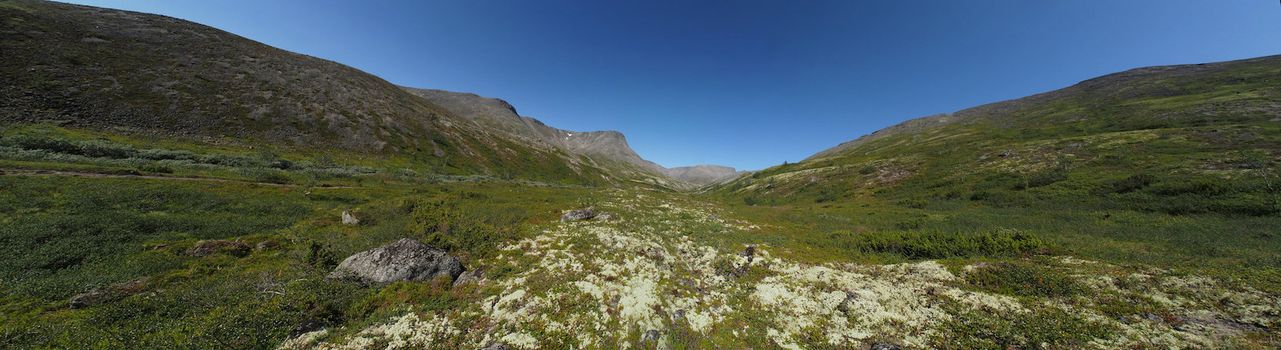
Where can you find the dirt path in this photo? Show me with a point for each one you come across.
(45, 172)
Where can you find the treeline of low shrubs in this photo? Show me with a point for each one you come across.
(1174, 194)
(265, 167)
(941, 245)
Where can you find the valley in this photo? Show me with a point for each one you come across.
(202, 196)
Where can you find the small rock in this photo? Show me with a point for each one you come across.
(86, 299)
(403, 260)
(749, 253)
(496, 346)
(349, 219)
(470, 276)
(266, 245)
(650, 335)
(604, 217)
(308, 326)
(208, 247)
(578, 215)
(679, 315)
(885, 346)
(113, 292)
(844, 306)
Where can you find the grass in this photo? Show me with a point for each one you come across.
(68, 235)
(996, 200)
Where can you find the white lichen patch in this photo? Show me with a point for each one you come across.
(652, 278)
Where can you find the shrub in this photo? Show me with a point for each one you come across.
(1042, 179)
(155, 168)
(939, 245)
(266, 175)
(1129, 184)
(1022, 278)
(1045, 327)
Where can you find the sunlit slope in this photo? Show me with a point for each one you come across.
(1176, 139)
(153, 76)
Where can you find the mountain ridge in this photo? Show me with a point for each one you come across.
(607, 147)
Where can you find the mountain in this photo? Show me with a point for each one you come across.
(92, 68)
(703, 174)
(1178, 139)
(607, 149)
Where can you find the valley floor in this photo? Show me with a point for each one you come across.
(659, 274)
(113, 245)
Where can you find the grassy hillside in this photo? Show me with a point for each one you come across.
(1183, 139)
(160, 78)
(162, 196)
(1168, 166)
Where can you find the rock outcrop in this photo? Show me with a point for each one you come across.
(578, 215)
(213, 246)
(703, 175)
(403, 260)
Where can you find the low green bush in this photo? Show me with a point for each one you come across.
(939, 245)
(1023, 279)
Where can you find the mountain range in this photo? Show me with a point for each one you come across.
(87, 67)
(167, 185)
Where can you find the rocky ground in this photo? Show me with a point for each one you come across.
(663, 273)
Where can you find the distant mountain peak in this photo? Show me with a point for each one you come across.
(604, 146)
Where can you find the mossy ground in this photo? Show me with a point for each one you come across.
(941, 273)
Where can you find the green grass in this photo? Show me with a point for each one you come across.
(68, 235)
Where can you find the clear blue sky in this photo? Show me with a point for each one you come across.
(744, 83)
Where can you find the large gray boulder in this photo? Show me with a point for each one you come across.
(578, 215)
(403, 260)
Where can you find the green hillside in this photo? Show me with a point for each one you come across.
(153, 77)
(1172, 166)
(166, 185)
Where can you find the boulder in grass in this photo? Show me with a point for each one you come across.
(349, 219)
(403, 260)
(473, 276)
(578, 215)
(107, 294)
(212, 246)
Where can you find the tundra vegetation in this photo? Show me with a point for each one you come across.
(101, 256)
(166, 185)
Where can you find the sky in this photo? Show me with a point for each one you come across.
(748, 84)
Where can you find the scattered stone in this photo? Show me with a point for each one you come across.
(110, 293)
(403, 260)
(650, 336)
(496, 346)
(212, 246)
(349, 219)
(578, 215)
(308, 326)
(749, 253)
(885, 346)
(604, 217)
(679, 315)
(266, 245)
(470, 276)
(87, 299)
(844, 306)
(1152, 317)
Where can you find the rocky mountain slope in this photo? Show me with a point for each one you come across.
(608, 149)
(704, 174)
(93, 68)
(1177, 139)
